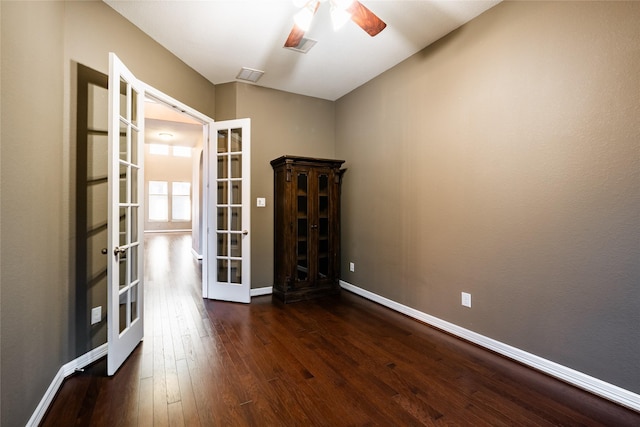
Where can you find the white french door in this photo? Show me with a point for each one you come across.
(228, 243)
(125, 216)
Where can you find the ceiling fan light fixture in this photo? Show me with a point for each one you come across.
(339, 17)
(304, 17)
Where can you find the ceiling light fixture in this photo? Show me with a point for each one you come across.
(165, 136)
(339, 13)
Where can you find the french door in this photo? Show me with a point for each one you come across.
(125, 216)
(228, 246)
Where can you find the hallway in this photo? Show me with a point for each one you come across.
(330, 362)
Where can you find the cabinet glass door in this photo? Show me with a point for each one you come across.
(323, 227)
(302, 234)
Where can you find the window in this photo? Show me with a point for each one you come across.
(180, 201)
(158, 201)
(179, 151)
(161, 149)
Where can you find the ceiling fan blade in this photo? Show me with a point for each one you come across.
(366, 19)
(295, 37)
(296, 34)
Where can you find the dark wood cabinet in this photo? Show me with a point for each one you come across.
(306, 227)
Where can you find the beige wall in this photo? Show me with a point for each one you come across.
(34, 327)
(41, 42)
(281, 123)
(503, 161)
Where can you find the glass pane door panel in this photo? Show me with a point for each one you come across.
(123, 141)
(236, 166)
(134, 185)
(123, 227)
(236, 192)
(223, 273)
(123, 97)
(133, 108)
(223, 167)
(222, 244)
(133, 259)
(223, 141)
(134, 153)
(135, 235)
(122, 312)
(236, 245)
(223, 218)
(236, 271)
(122, 266)
(123, 184)
(134, 302)
(236, 140)
(223, 192)
(236, 219)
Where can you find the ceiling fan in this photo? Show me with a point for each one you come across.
(341, 12)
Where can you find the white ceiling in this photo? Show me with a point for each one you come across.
(218, 37)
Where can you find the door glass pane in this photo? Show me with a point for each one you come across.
(222, 192)
(123, 98)
(236, 219)
(222, 141)
(236, 245)
(236, 166)
(122, 312)
(223, 219)
(134, 224)
(133, 262)
(123, 184)
(134, 302)
(236, 192)
(236, 140)
(222, 244)
(123, 141)
(123, 227)
(134, 185)
(236, 271)
(122, 270)
(134, 146)
(223, 275)
(134, 107)
(222, 167)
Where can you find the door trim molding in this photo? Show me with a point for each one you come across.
(583, 381)
(65, 371)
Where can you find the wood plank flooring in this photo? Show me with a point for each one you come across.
(337, 361)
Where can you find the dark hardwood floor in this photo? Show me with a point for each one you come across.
(336, 361)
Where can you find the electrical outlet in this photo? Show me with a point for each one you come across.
(352, 267)
(466, 299)
(261, 202)
(96, 315)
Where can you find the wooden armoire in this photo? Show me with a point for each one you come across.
(306, 227)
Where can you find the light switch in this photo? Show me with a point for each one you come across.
(261, 202)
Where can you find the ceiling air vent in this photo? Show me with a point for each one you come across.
(304, 46)
(249, 74)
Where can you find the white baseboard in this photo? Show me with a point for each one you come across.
(267, 290)
(593, 385)
(66, 370)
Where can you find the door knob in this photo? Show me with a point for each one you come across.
(104, 251)
(245, 232)
(119, 251)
